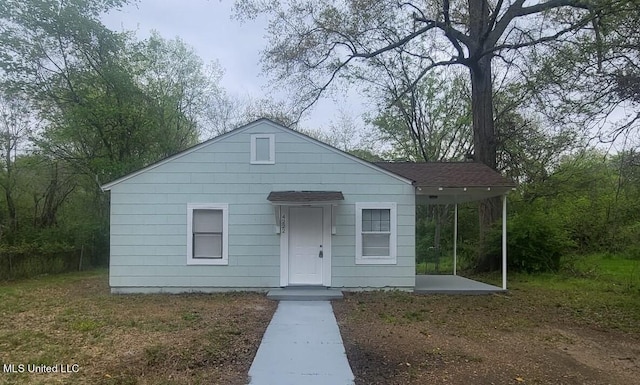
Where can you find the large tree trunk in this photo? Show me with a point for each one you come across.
(484, 136)
(484, 141)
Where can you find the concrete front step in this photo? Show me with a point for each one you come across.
(304, 294)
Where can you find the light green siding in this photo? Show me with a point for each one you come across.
(149, 215)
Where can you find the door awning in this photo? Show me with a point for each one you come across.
(281, 197)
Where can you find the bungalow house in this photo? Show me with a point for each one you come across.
(264, 206)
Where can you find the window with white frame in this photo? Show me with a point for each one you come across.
(263, 149)
(207, 234)
(376, 228)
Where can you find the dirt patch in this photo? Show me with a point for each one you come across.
(399, 338)
(129, 339)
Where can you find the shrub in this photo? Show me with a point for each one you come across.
(628, 239)
(535, 242)
(30, 259)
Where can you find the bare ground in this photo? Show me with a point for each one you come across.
(529, 336)
(128, 339)
(524, 337)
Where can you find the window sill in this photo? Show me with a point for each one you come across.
(376, 261)
(213, 262)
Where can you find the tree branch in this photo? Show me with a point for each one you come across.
(539, 40)
(517, 10)
(397, 44)
(422, 74)
(448, 31)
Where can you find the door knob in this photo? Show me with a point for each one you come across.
(320, 254)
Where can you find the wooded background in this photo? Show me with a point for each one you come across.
(547, 92)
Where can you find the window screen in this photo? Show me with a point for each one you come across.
(207, 233)
(263, 150)
(376, 232)
(376, 220)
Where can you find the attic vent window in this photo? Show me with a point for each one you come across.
(263, 149)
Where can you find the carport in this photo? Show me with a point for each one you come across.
(440, 183)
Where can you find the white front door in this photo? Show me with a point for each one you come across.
(305, 245)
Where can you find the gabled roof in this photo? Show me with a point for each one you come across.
(241, 129)
(449, 174)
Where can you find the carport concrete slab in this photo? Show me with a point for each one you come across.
(452, 284)
(302, 345)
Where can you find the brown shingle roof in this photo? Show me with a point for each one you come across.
(305, 196)
(449, 174)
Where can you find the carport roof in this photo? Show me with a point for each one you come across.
(448, 174)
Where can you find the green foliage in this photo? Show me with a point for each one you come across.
(104, 104)
(536, 241)
(111, 105)
(595, 198)
(31, 259)
(431, 123)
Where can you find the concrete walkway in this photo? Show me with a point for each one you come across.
(302, 345)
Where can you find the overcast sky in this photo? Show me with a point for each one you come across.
(207, 26)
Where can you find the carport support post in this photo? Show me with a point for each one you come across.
(504, 242)
(455, 239)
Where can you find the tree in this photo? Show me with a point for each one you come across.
(528, 148)
(183, 89)
(226, 113)
(595, 79)
(71, 68)
(107, 105)
(428, 123)
(111, 105)
(343, 134)
(16, 124)
(314, 43)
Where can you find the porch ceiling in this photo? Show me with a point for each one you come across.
(442, 195)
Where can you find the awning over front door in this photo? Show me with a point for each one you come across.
(281, 200)
(304, 197)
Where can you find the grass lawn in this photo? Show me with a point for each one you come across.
(72, 319)
(581, 326)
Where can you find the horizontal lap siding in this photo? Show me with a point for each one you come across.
(148, 215)
(401, 275)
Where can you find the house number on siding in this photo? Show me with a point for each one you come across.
(282, 224)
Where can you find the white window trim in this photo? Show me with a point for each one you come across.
(225, 233)
(272, 148)
(382, 260)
